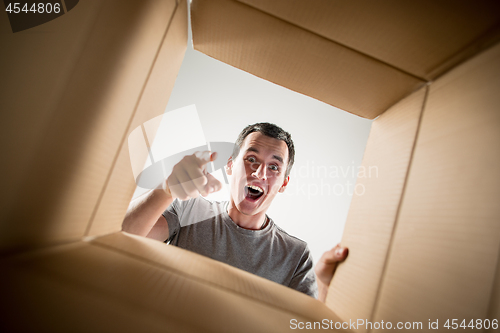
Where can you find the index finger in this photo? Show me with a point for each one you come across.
(205, 156)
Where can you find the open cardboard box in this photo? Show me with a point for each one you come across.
(424, 238)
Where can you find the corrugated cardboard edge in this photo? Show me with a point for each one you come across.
(372, 215)
(120, 183)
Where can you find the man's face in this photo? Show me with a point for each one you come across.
(258, 173)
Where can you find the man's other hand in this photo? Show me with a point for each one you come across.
(189, 177)
(325, 268)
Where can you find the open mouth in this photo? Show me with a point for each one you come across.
(253, 192)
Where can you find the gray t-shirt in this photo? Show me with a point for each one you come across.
(205, 227)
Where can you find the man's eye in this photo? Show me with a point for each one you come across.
(251, 159)
(274, 167)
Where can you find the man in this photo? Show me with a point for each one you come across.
(237, 232)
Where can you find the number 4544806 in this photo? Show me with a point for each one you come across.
(35, 8)
(477, 324)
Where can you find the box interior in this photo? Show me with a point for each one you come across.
(424, 239)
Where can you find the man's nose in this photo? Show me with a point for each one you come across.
(260, 172)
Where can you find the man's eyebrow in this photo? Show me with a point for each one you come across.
(255, 150)
(278, 158)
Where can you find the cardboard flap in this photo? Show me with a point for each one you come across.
(424, 38)
(444, 252)
(128, 283)
(72, 87)
(286, 54)
(373, 213)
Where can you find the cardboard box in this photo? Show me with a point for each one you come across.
(424, 238)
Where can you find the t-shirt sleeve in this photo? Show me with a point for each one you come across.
(304, 278)
(172, 215)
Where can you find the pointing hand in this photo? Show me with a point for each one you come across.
(189, 177)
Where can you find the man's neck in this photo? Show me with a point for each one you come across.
(251, 222)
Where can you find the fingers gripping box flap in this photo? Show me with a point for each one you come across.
(129, 283)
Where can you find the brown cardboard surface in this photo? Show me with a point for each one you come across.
(31, 89)
(62, 156)
(444, 255)
(91, 287)
(197, 267)
(424, 38)
(424, 237)
(300, 60)
(372, 215)
(120, 187)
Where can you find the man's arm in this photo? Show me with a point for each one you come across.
(144, 215)
(325, 268)
(188, 180)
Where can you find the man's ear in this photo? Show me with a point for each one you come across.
(229, 166)
(285, 183)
